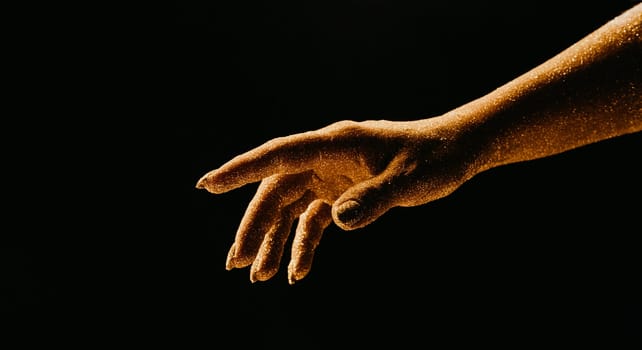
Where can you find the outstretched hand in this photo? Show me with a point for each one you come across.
(349, 173)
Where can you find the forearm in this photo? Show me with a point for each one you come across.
(589, 92)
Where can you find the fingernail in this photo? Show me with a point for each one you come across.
(261, 275)
(201, 184)
(296, 276)
(230, 263)
(349, 212)
(293, 274)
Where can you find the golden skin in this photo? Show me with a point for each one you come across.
(351, 173)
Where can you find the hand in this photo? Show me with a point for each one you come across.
(348, 172)
(353, 172)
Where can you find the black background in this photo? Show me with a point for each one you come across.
(541, 252)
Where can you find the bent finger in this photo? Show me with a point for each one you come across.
(270, 253)
(264, 210)
(308, 234)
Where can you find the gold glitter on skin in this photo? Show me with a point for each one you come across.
(350, 173)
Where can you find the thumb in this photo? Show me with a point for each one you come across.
(366, 201)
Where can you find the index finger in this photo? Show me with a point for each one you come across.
(296, 153)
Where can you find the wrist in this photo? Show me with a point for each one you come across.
(461, 135)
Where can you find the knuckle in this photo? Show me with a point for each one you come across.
(344, 126)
